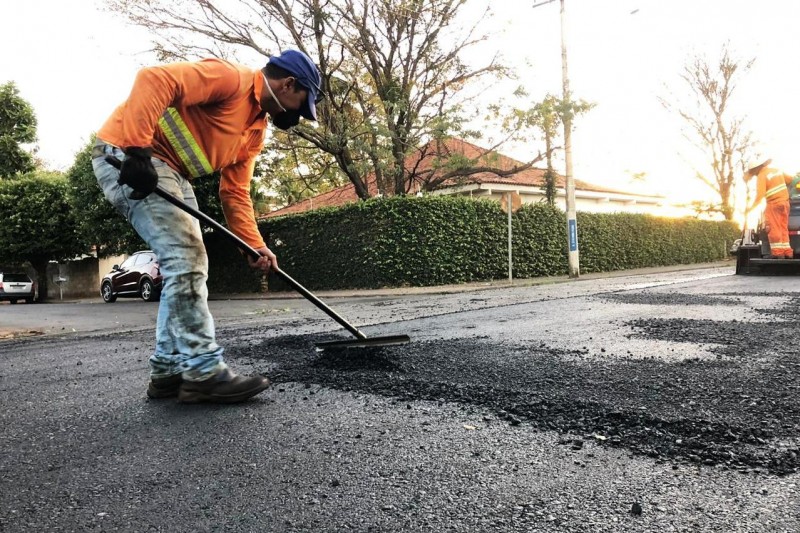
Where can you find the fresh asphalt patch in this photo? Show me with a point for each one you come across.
(738, 412)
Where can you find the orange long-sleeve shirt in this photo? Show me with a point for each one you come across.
(219, 103)
(772, 184)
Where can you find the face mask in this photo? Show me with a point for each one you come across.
(286, 120)
(266, 82)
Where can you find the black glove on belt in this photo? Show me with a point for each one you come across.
(136, 171)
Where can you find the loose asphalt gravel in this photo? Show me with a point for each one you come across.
(651, 403)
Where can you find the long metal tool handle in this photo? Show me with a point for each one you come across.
(255, 255)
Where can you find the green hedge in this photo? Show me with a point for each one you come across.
(434, 240)
(228, 270)
(623, 241)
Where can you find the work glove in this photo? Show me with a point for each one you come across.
(136, 171)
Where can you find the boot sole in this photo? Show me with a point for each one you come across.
(155, 394)
(192, 396)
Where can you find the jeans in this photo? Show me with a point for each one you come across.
(185, 338)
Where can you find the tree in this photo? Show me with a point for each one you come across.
(38, 223)
(98, 222)
(548, 116)
(712, 127)
(392, 82)
(206, 190)
(104, 227)
(295, 171)
(545, 115)
(17, 127)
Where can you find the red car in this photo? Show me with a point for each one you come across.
(137, 276)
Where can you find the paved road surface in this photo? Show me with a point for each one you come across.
(665, 402)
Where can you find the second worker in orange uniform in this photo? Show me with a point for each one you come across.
(772, 185)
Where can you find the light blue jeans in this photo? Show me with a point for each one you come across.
(185, 339)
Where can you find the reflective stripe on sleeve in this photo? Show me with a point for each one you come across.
(184, 143)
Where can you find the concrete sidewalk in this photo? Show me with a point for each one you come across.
(472, 287)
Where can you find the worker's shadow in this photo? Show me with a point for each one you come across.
(188, 411)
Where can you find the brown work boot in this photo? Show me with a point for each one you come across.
(225, 387)
(166, 387)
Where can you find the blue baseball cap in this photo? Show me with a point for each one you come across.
(302, 68)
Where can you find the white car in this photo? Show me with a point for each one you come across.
(15, 287)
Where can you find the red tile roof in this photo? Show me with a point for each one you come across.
(422, 165)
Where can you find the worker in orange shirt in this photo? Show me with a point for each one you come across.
(772, 185)
(183, 121)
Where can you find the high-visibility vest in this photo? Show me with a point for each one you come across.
(776, 186)
(183, 142)
(216, 101)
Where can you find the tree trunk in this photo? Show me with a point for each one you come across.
(725, 205)
(346, 163)
(549, 175)
(40, 265)
(399, 144)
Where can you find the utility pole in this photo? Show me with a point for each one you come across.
(573, 255)
(572, 221)
(510, 208)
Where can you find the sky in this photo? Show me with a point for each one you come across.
(74, 63)
(625, 54)
(622, 55)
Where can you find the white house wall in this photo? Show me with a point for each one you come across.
(595, 203)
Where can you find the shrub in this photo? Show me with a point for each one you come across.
(435, 240)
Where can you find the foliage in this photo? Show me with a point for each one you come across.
(548, 116)
(17, 127)
(622, 241)
(228, 269)
(435, 240)
(293, 171)
(396, 73)
(721, 136)
(98, 222)
(206, 190)
(38, 223)
(101, 225)
(53, 217)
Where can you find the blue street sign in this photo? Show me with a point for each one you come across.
(573, 234)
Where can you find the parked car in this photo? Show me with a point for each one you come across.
(15, 287)
(137, 276)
